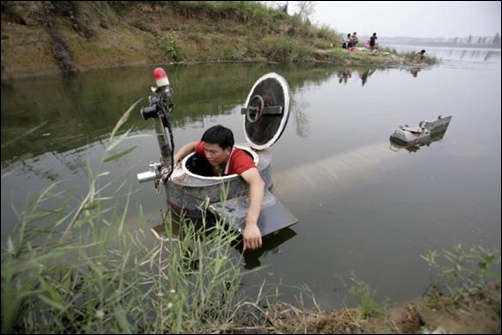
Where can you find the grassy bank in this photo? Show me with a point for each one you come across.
(66, 36)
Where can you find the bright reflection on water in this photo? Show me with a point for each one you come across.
(366, 209)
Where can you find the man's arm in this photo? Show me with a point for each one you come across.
(251, 234)
(184, 151)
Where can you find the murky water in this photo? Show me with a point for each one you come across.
(367, 209)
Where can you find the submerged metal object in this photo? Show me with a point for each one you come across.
(273, 215)
(191, 189)
(415, 147)
(426, 132)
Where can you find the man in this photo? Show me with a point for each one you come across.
(419, 56)
(353, 41)
(346, 43)
(373, 44)
(217, 146)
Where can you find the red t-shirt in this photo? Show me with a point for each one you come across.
(238, 162)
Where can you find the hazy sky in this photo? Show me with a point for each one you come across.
(409, 18)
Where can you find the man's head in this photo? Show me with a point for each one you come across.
(218, 144)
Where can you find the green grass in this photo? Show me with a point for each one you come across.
(460, 270)
(367, 306)
(77, 269)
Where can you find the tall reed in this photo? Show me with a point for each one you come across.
(77, 268)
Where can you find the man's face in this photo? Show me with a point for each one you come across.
(215, 154)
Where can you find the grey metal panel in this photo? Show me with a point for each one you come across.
(273, 215)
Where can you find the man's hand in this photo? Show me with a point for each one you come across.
(251, 234)
(252, 237)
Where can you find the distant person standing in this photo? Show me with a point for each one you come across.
(419, 56)
(373, 44)
(353, 41)
(346, 43)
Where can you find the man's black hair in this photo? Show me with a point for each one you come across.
(219, 135)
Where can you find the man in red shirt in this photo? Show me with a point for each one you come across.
(217, 146)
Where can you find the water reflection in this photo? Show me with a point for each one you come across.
(301, 118)
(455, 53)
(471, 54)
(270, 243)
(414, 71)
(81, 110)
(344, 75)
(363, 74)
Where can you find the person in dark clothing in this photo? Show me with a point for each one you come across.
(353, 41)
(346, 43)
(373, 44)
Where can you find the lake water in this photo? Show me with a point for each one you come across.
(366, 208)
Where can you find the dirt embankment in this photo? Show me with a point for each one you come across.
(37, 42)
(48, 37)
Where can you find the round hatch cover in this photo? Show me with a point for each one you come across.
(266, 111)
